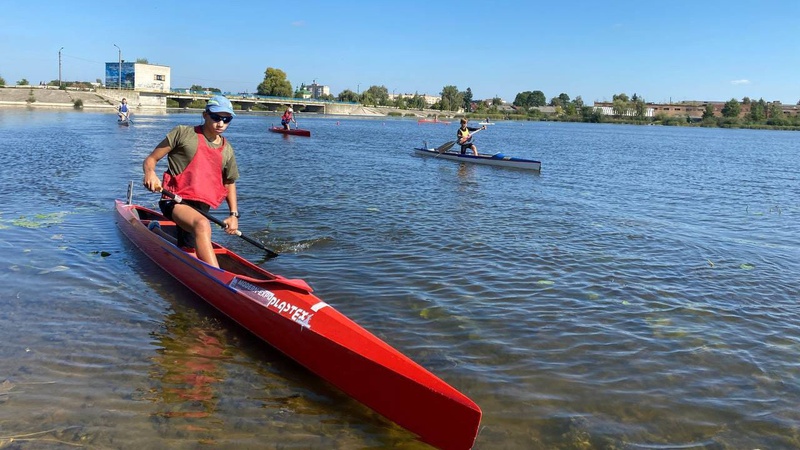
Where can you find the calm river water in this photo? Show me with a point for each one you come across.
(640, 292)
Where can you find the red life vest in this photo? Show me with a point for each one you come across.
(202, 178)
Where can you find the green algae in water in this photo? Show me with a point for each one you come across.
(40, 220)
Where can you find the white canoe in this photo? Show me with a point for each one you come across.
(498, 159)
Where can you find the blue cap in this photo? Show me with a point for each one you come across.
(218, 104)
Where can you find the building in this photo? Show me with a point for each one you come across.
(137, 76)
(318, 90)
(428, 99)
(694, 110)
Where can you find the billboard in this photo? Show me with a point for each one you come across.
(128, 78)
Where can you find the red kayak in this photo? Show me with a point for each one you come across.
(285, 314)
(294, 132)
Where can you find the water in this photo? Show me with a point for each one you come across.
(639, 293)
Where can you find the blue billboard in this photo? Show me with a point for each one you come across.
(113, 79)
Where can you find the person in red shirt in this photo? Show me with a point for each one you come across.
(202, 170)
(288, 116)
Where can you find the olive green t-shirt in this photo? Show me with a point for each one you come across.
(183, 141)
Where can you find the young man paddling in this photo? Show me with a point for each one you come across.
(122, 110)
(202, 170)
(464, 137)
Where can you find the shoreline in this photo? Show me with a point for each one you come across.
(47, 97)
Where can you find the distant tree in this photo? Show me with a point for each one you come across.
(620, 105)
(555, 101)
(538, 99)
(564, 98)
(758, 111)
(578, 102)
(529, 99)
(467, 100)
(326, 97)
(776, 115)
(591, 115)
(746, 101)
(452, 100)
(523, 99)
(275, 84)
(347, 96)
(639, 107)
(709, 112)
(3, 83)
(196, 87)
(732, 108)
(497, 101)
(622, 97)
(375, 95)
(416, 102)
(399, 102)
(23, 82)
(142, 61)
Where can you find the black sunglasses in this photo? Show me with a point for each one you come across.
(216, 117)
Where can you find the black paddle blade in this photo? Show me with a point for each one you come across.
(445, 147)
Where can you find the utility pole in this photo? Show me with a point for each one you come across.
(119, 75)
(59, 67)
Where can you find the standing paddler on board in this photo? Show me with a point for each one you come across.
(288, 116)
(201, 170)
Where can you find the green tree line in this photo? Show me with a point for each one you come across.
(527, 104)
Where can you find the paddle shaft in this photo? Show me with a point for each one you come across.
(179, 199)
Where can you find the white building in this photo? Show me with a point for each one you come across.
(428, 99)
(137, 76)
(318, 90)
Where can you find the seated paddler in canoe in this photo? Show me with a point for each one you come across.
(464, 137)
(201, 172)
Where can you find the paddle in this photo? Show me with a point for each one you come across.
(447, 146)
(179, 199)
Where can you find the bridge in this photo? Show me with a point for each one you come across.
(246, 102)
(156, 101)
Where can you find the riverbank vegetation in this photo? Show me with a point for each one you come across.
(533, 105)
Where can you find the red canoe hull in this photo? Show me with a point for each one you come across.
(293, 132)
(285, 314)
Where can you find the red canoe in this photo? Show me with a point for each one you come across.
(294, 132)
(284, 313)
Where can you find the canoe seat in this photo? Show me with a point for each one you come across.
(163, 223)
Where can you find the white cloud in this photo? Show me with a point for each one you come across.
(738, 82)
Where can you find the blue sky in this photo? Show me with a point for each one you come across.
(662, 51)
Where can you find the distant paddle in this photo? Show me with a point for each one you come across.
(179, 199)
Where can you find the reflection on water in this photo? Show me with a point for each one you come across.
(188, 367)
